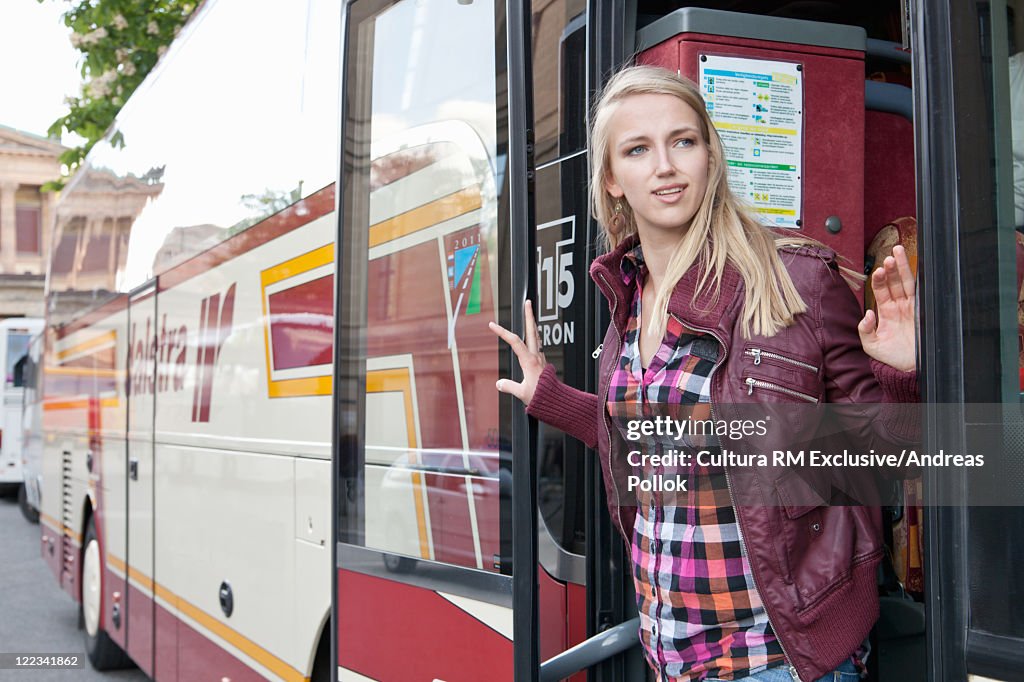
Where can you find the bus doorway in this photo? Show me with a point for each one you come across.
(863, 176)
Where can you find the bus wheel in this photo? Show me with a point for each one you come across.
(104, 653)
(32, 515)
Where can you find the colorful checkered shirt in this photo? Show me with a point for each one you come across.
(700, 614)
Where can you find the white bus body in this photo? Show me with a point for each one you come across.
(15, 334)
(32, 432)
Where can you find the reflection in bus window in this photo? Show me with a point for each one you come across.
(427, 204)
(997, 533)
(190, 177)
(431, 465)
(559, 77)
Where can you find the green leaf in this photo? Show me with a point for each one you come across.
(99, 44)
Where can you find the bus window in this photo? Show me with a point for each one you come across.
(423, 164)
(559, 78)
(562, 239)
(17, 348)
(996, 533)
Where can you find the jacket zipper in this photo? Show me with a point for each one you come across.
(597, 351)
(753, 383)
(739, 530)
(728, 480)
(757, 354)
(753, 576)
(608, 381)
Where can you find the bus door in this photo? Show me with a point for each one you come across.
(141, 396)
(13, 348)
(970, 173)
(434, 483)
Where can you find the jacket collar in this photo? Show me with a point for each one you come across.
(704, 313)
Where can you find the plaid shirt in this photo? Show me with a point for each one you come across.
(700, 614)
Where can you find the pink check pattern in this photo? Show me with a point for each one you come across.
(700, 613)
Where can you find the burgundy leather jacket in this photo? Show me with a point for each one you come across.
(814, 565)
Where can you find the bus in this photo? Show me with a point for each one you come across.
(272, 444)
(31, 432)
(15, 334)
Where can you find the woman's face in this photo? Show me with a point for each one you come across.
(658, 161)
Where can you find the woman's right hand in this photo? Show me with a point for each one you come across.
(531, 359)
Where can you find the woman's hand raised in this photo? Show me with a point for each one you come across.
(890, 335)
(531, 359)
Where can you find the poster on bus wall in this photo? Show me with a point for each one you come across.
(757, 108)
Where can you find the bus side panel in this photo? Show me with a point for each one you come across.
(230, 528)
(312, 598)
(243, 383)
(450, 643)
(69, 417)
(142, 403)
(107, 437)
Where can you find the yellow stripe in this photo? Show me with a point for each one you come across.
(421, 515)
(298, 265)
(266, 338)
(744, 128)
(102, 339)
(290, 388)
(78, 404)
(229, 635)
(53, 523)
(425, 216)
(116, 563)
(60, 528)
(775, 211)
(81, 371)
(381, 380)
(398, 379)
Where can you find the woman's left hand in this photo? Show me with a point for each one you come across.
(890, 336)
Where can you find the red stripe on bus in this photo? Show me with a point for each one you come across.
(450, 644)
(166, 662)
(140, 628)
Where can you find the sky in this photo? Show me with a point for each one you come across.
(39, 64)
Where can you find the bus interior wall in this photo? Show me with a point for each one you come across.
(889, 217)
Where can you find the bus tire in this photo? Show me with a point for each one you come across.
(30, 513)
(103, 652)
(322, 660)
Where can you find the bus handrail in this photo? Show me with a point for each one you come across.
(886, 49)
(590, 652)
(889, 97)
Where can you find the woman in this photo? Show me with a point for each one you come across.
(710, 310)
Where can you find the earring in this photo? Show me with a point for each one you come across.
(618, 221)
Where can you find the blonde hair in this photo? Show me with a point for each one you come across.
(721, 231)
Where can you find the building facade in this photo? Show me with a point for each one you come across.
(27, 162)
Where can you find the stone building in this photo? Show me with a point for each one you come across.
(94, 221)
(27, 162)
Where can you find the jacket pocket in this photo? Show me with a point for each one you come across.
(819, 541)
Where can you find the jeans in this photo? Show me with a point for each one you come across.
(846, 672)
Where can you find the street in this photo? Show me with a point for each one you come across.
(36, 617)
